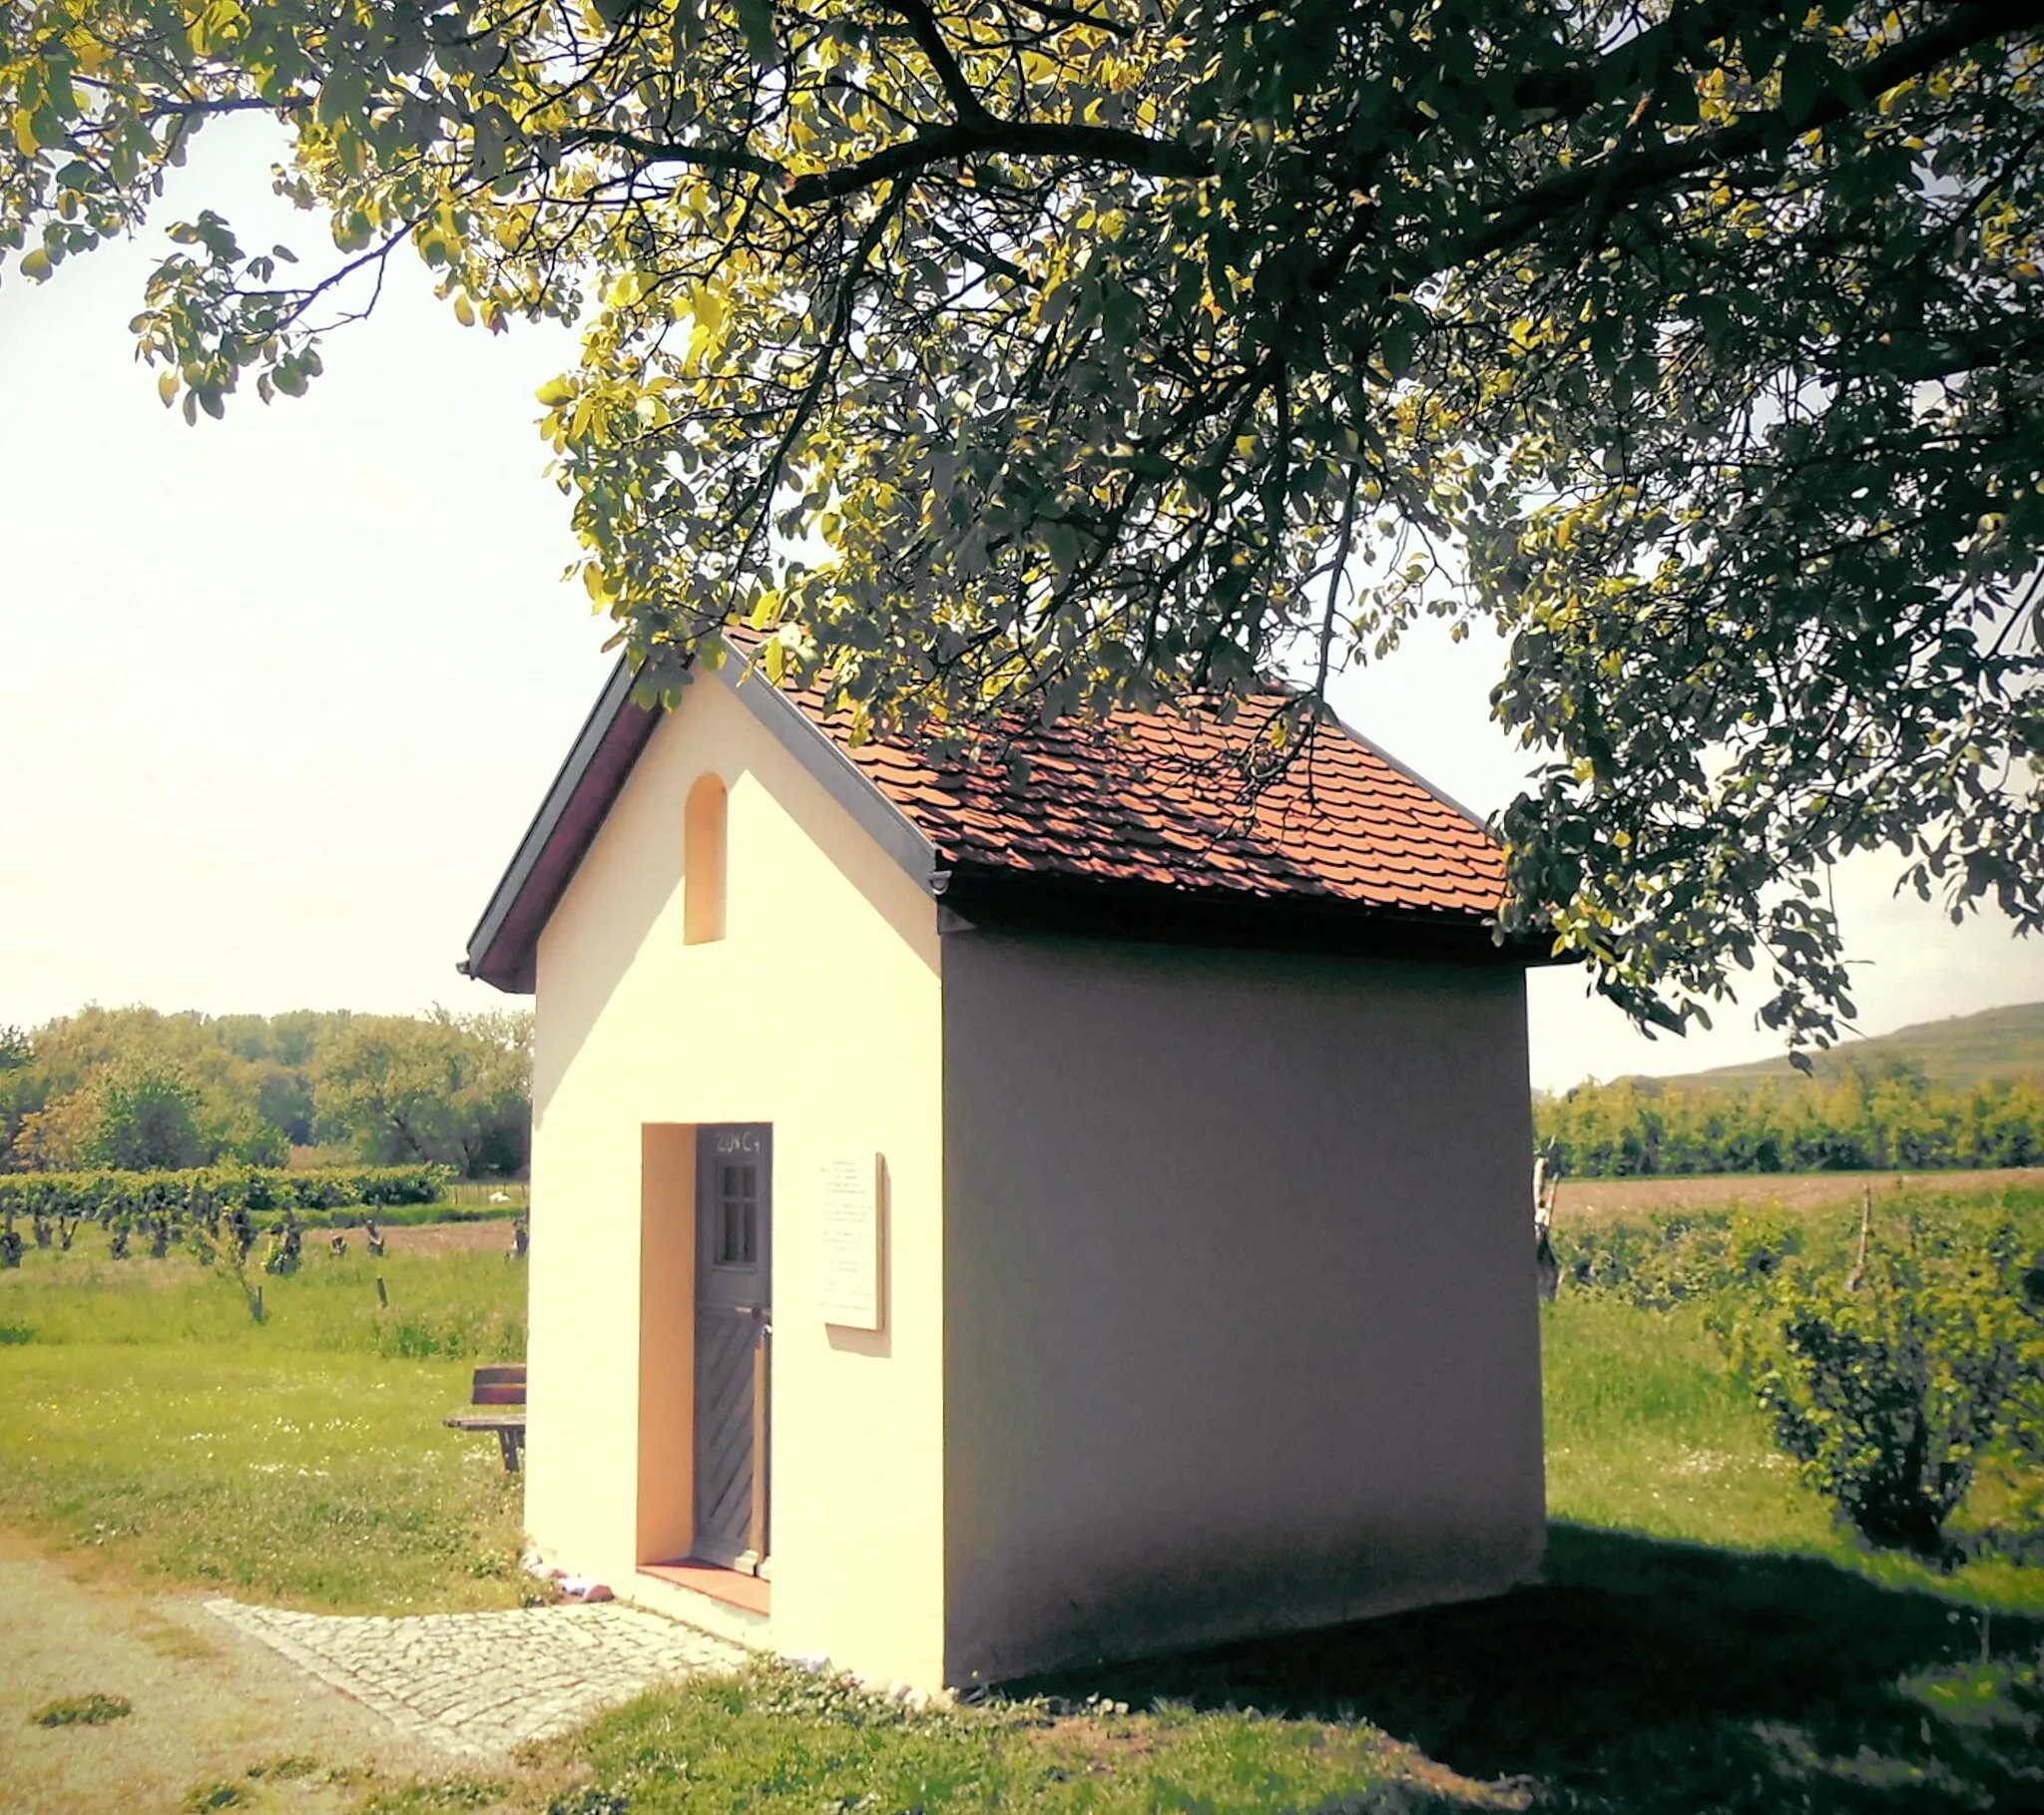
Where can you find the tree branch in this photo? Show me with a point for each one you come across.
(1073, 15)
(929, 38)
(975, 131)
(1634, 60)
(660, 150)
(1670, 162)
(1109, 144)
(761, 494)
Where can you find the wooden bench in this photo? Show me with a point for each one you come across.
(503, 1388)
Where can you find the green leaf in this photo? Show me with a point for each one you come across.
(1807, 77)
(755, 20)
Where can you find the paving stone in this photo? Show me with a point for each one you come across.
(479, 1684)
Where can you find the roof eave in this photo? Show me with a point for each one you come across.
(502, 949)
(996, 895)
(825, 759)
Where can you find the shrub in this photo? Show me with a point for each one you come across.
(1856, 1121)
(203, 1192)
(2026, 1434)
(1688, 1254)
(1888, 1384)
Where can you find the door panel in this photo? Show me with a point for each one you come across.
(734, 1333)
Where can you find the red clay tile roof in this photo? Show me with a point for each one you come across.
(1139, 825)
(1160, 800)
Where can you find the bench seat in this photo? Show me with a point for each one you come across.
(502, 1389)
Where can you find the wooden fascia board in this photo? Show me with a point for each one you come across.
(824, 760)
(501, 948)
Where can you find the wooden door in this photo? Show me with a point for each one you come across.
(734, 1337)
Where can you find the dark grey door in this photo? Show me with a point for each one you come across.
(734, 1333)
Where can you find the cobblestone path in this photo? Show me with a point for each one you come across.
(480, 1683)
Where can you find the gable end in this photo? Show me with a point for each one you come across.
(503, 950)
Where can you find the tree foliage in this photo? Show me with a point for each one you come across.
(1861, 1120)
(450, 1089)
(140, 1117)
(135, 1088)
(1033, 355)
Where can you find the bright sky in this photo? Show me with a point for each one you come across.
(280, 694)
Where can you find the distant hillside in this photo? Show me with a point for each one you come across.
(1997, 1044)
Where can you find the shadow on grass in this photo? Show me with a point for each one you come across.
(1657, 1676)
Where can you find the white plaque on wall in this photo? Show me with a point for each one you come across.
(849, 1203)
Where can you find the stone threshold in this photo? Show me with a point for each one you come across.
(670, 1588)
(734, 1588)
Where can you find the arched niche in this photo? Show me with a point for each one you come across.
(702, 861)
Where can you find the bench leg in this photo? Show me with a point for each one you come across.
(509, 1442)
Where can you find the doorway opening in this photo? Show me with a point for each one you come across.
(706, 1358)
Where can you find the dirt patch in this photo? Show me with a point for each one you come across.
(213, 1712)
(489, 1237)
(480, 1237)
(1607, 1199)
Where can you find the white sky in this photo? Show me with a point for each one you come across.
(278, 694)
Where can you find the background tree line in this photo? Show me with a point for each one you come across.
(135, 1087)
(1861, 1119)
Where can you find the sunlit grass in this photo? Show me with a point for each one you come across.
(1648, 1430)
(149, 1422)
(455, 1305)
(775, 1738)
(1738, 1646)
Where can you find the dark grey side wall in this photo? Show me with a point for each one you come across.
(1240, 1326)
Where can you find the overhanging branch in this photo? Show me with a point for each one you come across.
(1674, 161)
(1108, 144)
(929, 38)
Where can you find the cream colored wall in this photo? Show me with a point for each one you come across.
(818, 1013)
(1242, 1322)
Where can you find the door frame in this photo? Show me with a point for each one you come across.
(664, 1523)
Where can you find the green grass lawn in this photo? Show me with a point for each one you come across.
(1648, 1432)
(480, 1193)
(1705, 1637)
(776, 1739)
(151, 1423)
(460, 1306)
